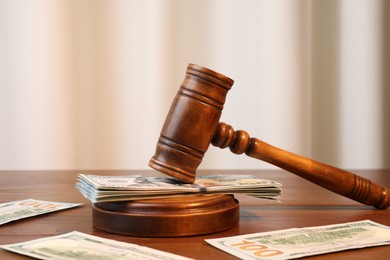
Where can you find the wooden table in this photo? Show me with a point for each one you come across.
(303, 204)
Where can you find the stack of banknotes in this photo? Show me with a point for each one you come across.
(98, 188)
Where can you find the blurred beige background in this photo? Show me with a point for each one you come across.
(87, 84)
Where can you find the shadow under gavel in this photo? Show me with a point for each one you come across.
(192, 124)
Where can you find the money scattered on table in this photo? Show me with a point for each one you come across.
(15, 210)
(77, 245)
(99, 188)
(300, 242)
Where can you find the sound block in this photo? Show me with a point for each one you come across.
(168, 217)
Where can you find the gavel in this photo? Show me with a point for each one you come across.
(192, 124)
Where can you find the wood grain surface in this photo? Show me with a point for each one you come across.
(303, 204)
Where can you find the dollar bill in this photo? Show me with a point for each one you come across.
(300, 242)
(77, 245)
(20, 209)
(99, 188)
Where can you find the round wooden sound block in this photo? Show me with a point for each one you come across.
(167, 217)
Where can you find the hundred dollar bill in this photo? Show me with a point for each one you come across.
(15, 210)
(99, 188)
(300, 242)
(77, 245)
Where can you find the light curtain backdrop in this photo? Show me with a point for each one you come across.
(87, 84)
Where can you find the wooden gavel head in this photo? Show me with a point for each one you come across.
(191, 123)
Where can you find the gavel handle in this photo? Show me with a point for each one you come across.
(329, 177)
